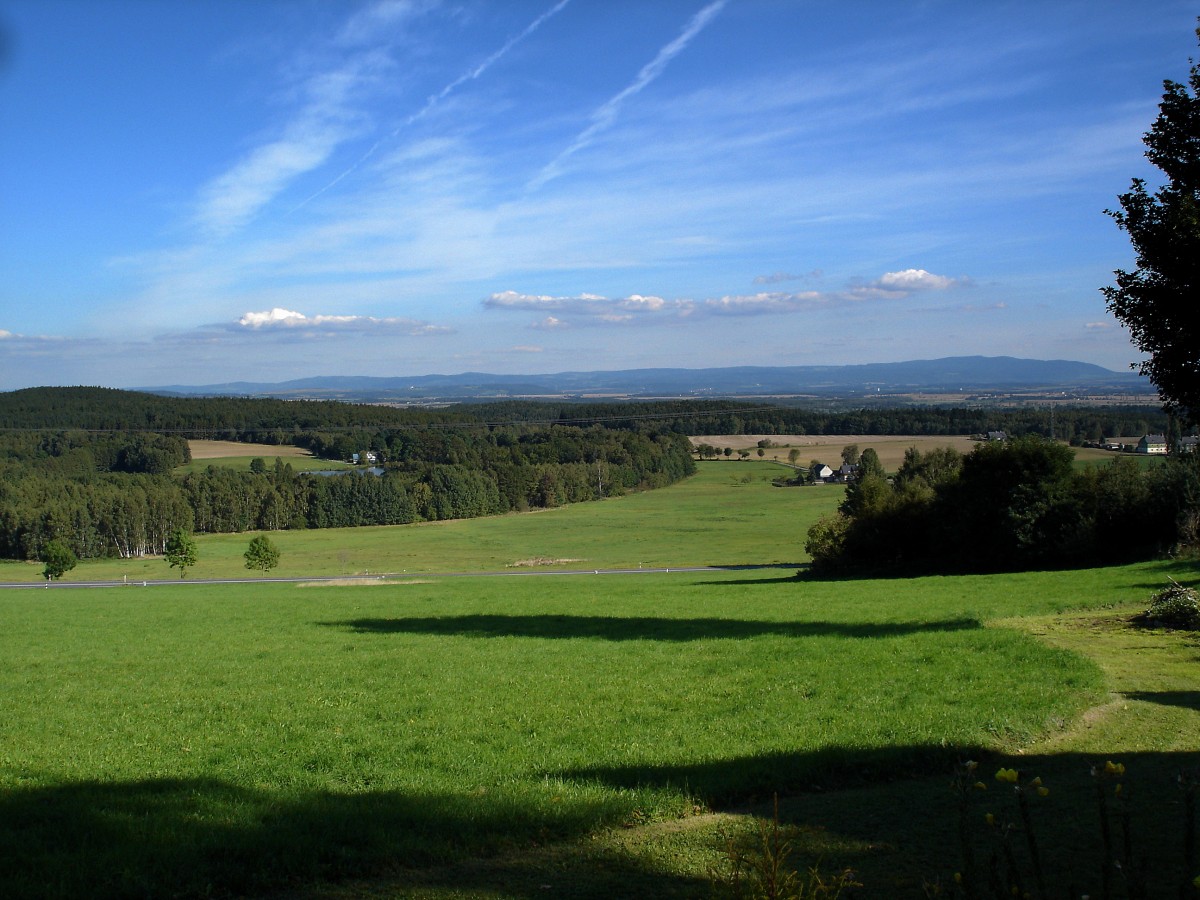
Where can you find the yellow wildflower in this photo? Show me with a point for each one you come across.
(990, 819)
(1117, 789)
(1045, 791)
(1112, 768)
(980, 786)
(1037, 782)
(1009, 775)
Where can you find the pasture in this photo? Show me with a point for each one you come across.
(555, 735)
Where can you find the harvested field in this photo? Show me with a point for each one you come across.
(223, 449)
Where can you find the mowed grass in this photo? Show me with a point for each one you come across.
(724, 515)
(483, 736)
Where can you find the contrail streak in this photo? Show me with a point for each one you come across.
(441, 95)
(604, 117)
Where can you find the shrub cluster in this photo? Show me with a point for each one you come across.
(1173, 607)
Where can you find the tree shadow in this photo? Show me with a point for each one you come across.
(637, 628)
(794, 578)
(208, 837)
(1182, 699)
(861, 808)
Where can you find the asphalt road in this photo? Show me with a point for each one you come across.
(385, 576)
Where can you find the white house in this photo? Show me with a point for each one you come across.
(1152, 443)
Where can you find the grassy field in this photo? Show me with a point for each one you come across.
(235, 455)
(726, 515)
(567, 736)
(827, 448)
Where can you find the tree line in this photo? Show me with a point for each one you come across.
(76, 488)
(299, 422)
(1012, 505)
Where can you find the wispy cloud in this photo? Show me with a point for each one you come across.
(781, 277)
(469, 75)
(327, 118)
(606, 115)
(365, 25)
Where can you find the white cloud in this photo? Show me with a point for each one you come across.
(590, 308)
(279, 318)
(5, 334)
(596, 308)
(916, 280)
(1098, 326)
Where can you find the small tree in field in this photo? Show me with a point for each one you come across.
(262, 554)
(59, 560)
(180, 551)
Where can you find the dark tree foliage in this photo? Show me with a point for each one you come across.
(1157, 301)
(1008, 506)
(115, 493)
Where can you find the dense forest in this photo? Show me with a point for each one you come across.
(1011, 505)
(303, 422)
(81, 488)
(94, 467)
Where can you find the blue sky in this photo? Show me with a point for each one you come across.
(198, 192)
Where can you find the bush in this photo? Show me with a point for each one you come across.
(1174, 607)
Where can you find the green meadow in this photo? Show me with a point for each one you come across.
(242, 463)
(563, 735)
(728, 514)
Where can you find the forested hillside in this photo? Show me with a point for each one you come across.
(109, 489)
(93, 467)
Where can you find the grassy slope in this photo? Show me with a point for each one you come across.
(714, 518)
(182, 738)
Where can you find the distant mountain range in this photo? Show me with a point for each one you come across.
(973, 374)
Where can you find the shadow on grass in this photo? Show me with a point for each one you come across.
(637, 628)
(206, 837)
(782, 579)
(1182, 699)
